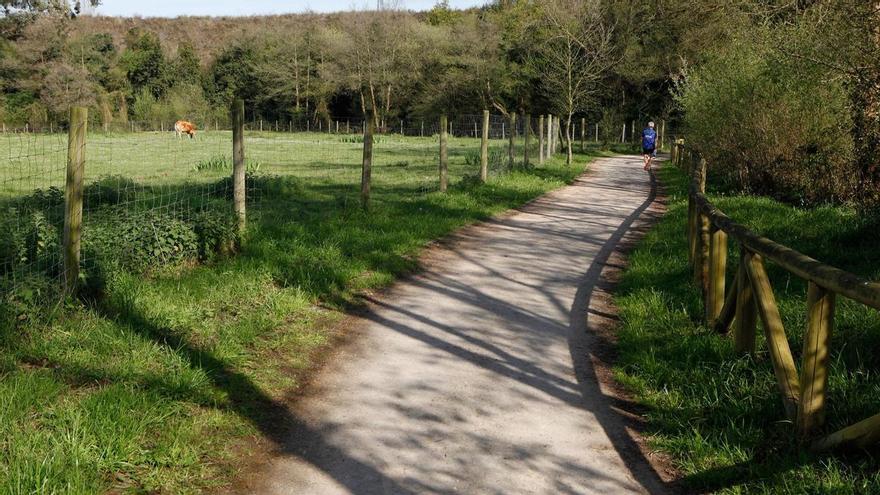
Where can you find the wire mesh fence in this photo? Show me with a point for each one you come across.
(153, 199)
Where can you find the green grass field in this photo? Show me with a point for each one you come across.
(33, 161)
(154, 382)
(718, 414)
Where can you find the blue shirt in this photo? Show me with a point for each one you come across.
(649, 138)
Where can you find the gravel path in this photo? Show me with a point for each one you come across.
(475, 376)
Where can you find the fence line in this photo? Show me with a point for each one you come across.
(736, 307)
(136, 196)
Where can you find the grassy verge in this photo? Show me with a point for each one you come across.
(718, 414)
(149, 387)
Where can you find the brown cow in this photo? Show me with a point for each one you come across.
(183, 127)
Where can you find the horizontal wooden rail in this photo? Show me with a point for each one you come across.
(826, 276)
(736, 308)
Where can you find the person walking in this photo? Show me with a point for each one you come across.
(649, 145)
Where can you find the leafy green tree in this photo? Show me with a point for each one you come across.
(145, 63)
(187, 68)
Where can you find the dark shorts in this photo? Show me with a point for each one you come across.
(648, 151)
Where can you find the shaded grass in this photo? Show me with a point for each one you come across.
(149, 387)
(717, 413)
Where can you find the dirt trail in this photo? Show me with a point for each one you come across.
(476, 376)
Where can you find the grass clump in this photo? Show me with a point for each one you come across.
(719, 414)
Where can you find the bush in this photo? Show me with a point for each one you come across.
(768, 127)
(28, 242)
(138, 242)
(215, 234)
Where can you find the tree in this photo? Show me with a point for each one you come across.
(145, 63)
(376, 55)
(577, 55)
(186, 67)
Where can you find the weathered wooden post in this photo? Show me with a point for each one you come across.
(549, 135)
(745, 323)
(623, 134)
(632, 132)
(717, 270)
(238, 167)
(557, 135)
(814, 372)
(261, 125)
(367, 162)
(527, 131)
(583, 135)
(512, 141)
(541, 139)
(662, 133)
(484, 149)
(444, 164)
(597, 132)
(422, 131)
(73, 196)
(783, 363)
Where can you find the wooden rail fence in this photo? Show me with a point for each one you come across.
(736, 307)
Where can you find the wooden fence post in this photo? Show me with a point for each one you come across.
(484, 149)
(717, 271)
(444, 164)
(583, 135)
(549, 135)
(238, 166)
(367, 162)
(527, 131)
(541, 139)
(662, 133)
(780, 353)
(814, 372)
(73, 196)
(745, 321)
(557, 135)
(597, 132)
(511, 140)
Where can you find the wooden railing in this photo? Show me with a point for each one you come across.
(736, 308)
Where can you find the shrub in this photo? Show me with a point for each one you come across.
(215, 233)
(142, 241)
(28, 242)
(768, 127)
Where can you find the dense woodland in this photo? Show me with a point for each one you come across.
(781, 95)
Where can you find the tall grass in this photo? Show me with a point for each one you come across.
(719, 414)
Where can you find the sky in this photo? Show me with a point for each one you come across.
(174, 8)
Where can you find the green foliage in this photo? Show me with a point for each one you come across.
(769, 127)
(223, 163)
(145, 63)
